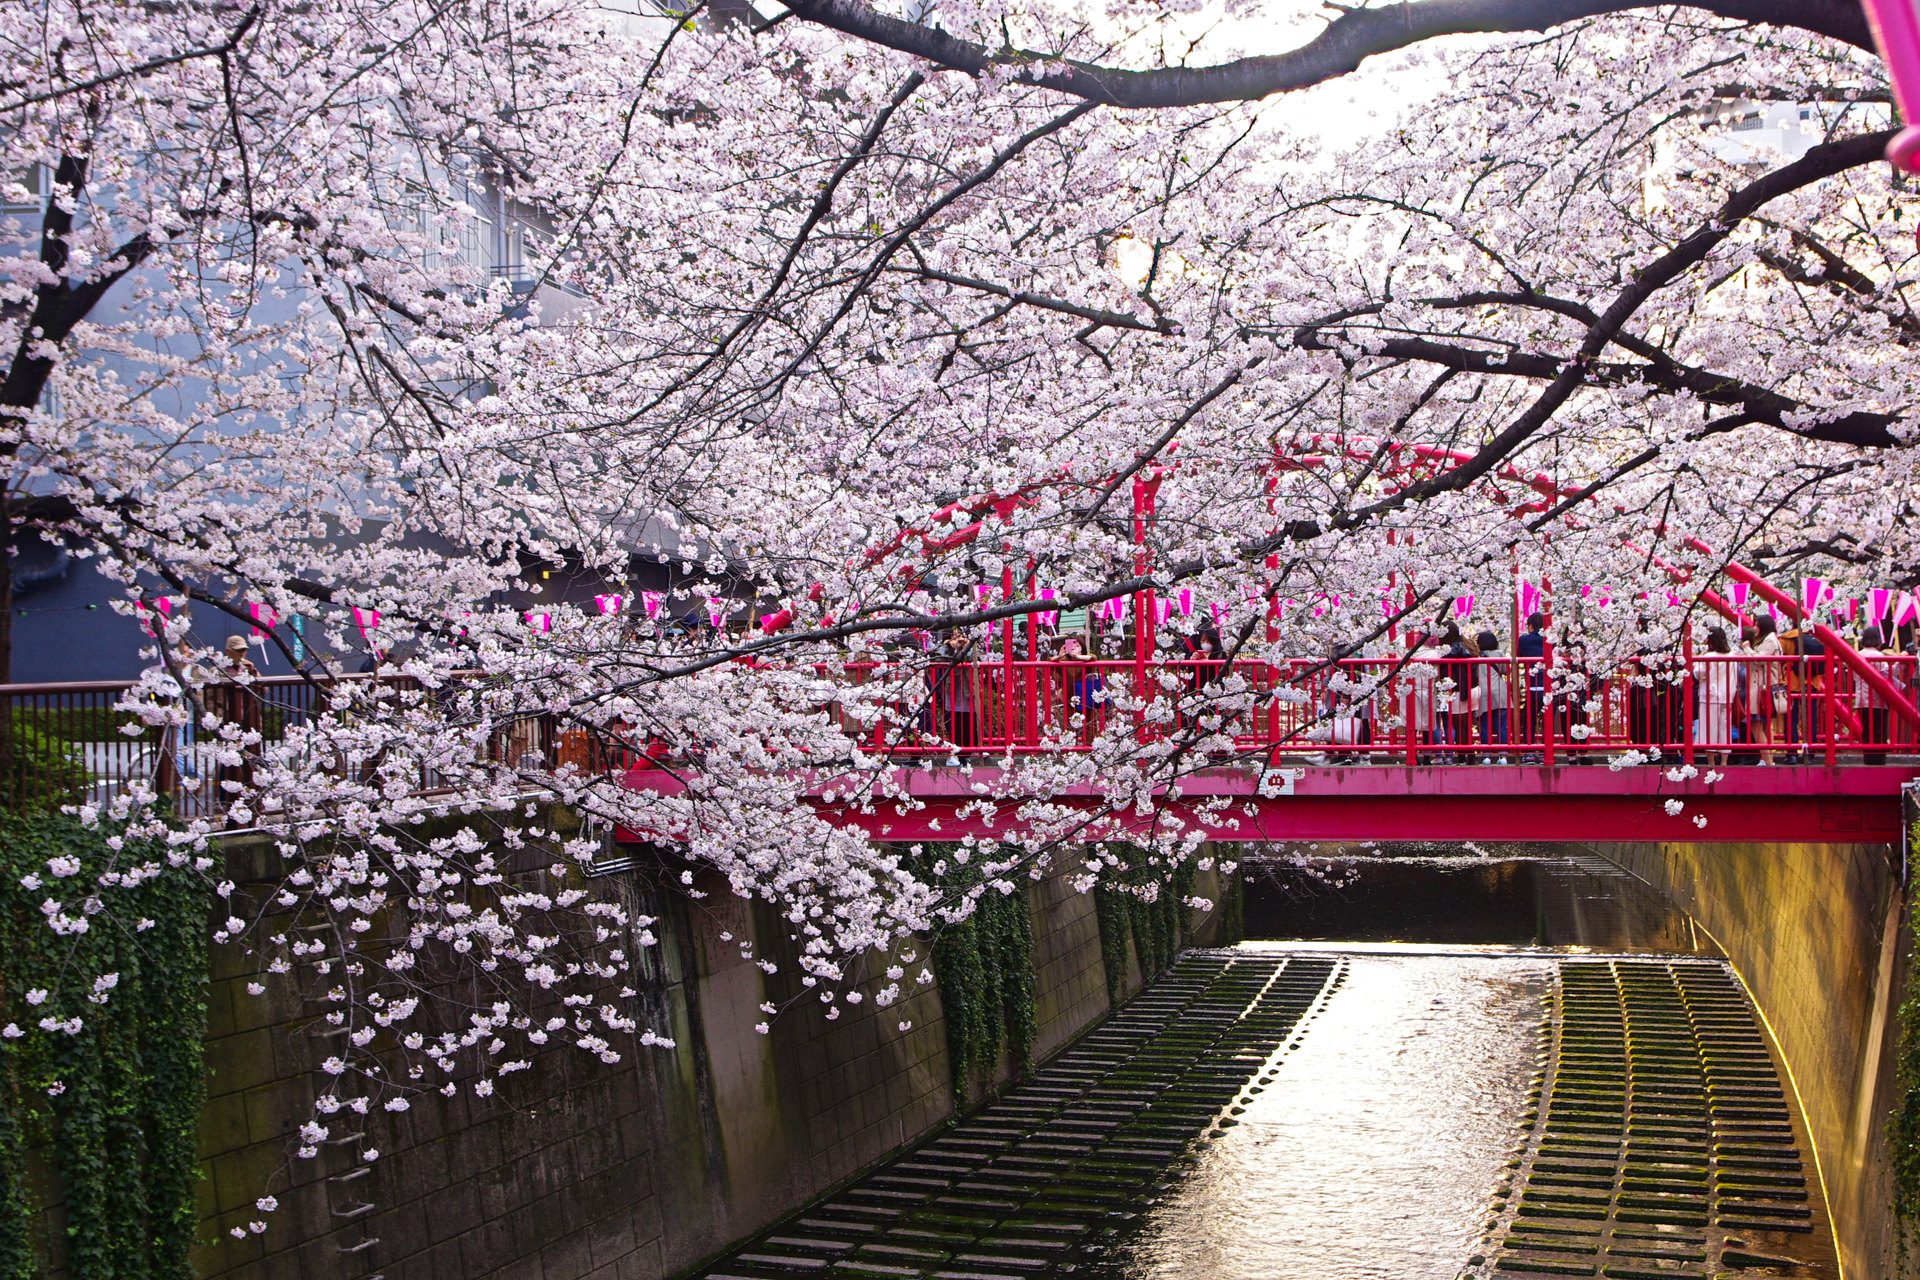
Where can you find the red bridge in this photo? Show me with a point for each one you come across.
(1399, 749)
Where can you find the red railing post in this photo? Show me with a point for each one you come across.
(1413, 720)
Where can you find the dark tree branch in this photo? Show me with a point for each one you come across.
(1100, 318)
(1350, 39)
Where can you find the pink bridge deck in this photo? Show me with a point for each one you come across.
(1748, 804)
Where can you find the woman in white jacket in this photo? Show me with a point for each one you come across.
(1716, 684)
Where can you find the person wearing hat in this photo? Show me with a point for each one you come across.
(230, 696)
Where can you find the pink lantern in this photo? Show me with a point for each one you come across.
(716, 610)
(609, 604)
(650, 602)
(1462, 606)
(1813, 591)
(1896, 29)
(1740, 593)
(263, 616)
(1908, 610)
(367, 620)
(1879, 600)
(539, 619)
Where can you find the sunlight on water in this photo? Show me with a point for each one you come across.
(1373, 1150)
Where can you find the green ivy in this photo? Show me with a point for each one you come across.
(39, 769)
(120, 1133)
(984, 965)
(1159, 929)
(1110, 908)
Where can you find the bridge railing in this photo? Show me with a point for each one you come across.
(1424, 710)
(71, 742)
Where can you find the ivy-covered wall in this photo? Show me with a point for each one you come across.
(98, 1122)
(986, 965)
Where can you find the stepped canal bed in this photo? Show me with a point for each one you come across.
(1279, 1111)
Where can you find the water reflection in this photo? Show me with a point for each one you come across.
(1372, 1150)
(1561, 901)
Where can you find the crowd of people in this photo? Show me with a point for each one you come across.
(1756, 693)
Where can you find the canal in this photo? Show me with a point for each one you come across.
(1417, 1068)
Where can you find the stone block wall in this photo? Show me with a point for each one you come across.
(579, 1171)
(1815, 933)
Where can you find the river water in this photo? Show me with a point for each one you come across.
(1372, 1151)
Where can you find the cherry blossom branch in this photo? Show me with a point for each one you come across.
(151, 65)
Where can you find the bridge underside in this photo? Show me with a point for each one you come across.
(1752, 804)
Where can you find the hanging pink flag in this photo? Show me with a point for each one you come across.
(609, 604)
(539, 619)
(717, 609)
(1186, 602)
(1879, 600)
(1812, 592)
(162, 606)
(650, 602)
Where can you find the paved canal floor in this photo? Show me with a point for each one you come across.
(1271, 1112)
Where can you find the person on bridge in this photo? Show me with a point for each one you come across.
(953, 701)
(1716, 681)
(1423, 665)
(1490, 694)
(1458, 672)
(1766, 685)
(1874, 643)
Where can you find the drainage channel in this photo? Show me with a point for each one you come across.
(1058, 1168)
(1661, 1143)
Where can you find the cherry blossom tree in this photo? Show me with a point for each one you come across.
(874, 314)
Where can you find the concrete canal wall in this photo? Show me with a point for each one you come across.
(1815, 931)
(575, 1170)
